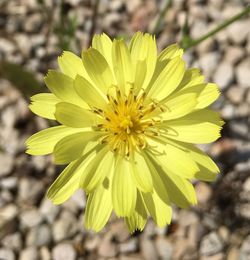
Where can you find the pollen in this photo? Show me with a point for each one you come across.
(127, 122)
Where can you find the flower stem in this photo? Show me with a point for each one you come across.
(193, 42)
(157, 26)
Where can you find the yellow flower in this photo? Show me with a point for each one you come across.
(129, 119)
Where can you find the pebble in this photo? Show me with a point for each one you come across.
(65, 226)
(203, 192)
(30, 190)
(7, 254)
(238, 31)
(13, 241)
(107, 248)
(49, 210)
(148, 249)
(211, 244)
(164, 248)
(9, 183)
(235, 94)
(243, 73)
(128, 247)
(120, 231)
(245, 249)
(7, 162)
(63, 251)
(45, 253)
(233, 54)
(31, 218)
(29, 253)
(223, 75)
(39, 236)
(209, 62)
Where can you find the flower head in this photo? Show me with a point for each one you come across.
(129, 120)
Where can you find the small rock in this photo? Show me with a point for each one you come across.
(9, 183)
(13, 241)
(211, 244)
(31, 218)
(128, 247)
(235, 94)
(233, 54)
(233, 253)
(49, 210)
(45, 253)
(224, 233)
(183, 249)
(33, 22)
(30, 190)
(238, 31)
(7, 254)
(244, 210)
(246, 185)
(245, 249)
(116, 5)
(243, 73)
(7, 163)
(106, 247)
(39, 236)
(148, 249)
(79, 199)
(203, 192)
(6, 46)
(223, 75)
(65, 226)
(164, 248)
(63, 251)
(208, 62)
(8, 221)
(29, 253)
(92, 242)
(120, 231)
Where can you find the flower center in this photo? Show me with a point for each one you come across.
(128, 121)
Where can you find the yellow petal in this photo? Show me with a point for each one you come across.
(198, 127)
(208, 170)
(74, 146)
(62, 86)
(44, 141)
(138, 218)
(180, 191)
(179, 105)
(167, 80)
(123, 189)
(44, 105)
(71, 65)
(171, 52)
(208, 95)
(160, 211)
(141, 173)
(68, 181)
(98, 69)
(74, 116)
(100, 167)
(99, 207)
(184, 167)
(103, 44)
(143, 49)
(191, 78)
(122, 65)
(91, 95)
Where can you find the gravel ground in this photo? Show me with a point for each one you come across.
(30, 226)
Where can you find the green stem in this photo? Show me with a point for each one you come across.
(161, 16)
(223, 25)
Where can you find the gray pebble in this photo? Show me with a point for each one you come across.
(211, 244)
(63, 251)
